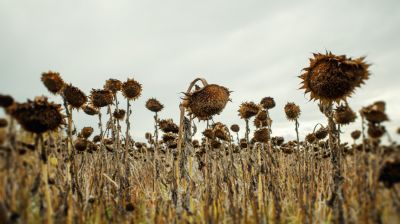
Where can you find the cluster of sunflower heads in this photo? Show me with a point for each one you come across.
(204, 103)
(332, 78)
(171, 130)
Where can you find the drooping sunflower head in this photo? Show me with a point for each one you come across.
(131, 89)
(119, 114)
(53, 81)
(90, 109)
(154, 105)
(206, 102)
(344, 115)
(6, 100)
(168, 125)
(235, 128)
(114, 85)
(248, 110)
(74, 96)
(38, 116)
(332, 78)
(356, 134)
(101, 97)
(375, 113)
(261, 135)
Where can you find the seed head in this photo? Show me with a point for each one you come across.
(80, 144)
(311, 138)
(375, 131)
(119, 114)
(267, 103)
(206, 102)
(292, 111)
(6, 100)
(38, 116)
(90, 110)
(375, 113)
(101, 98)
(356, 134)
(331, 78)
(154, 105)
(235, 128)
(113, 85)
(53, 81)
(74, 96)
(261, 135)
(321, 133)
(248, 110)
(344, 115)
(86, 132)
(168, 125)
(131, 89)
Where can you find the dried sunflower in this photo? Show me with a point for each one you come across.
(248, 110)
(38, 116)
(74, 96)
(101, 98)
(332, 78)
(53, 81)
(206, 102)
(131, 89)
(154, 105)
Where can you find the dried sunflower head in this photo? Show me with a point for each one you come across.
(119, 114)
(267, 103)
(248, 110)
(206, 102)
(131, 89)
(101, 98)
(38, 116)
(321, 133)
(86, 132)
(220, 131)
(74, 96)
(292, 111)
(154, 105)
(90, 110)
(6, 100)
(375, 113)
(375, 131)
(53, 81)
(311, 138)
(344, 115)
(332, 78)
(81, 144)
(356, 134)
(261, 135)
(209, 133)
(235, 128)
(168, 125)
(113, 85)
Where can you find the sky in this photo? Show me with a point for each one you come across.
(254, 48)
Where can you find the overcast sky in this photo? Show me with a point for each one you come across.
(254, 48)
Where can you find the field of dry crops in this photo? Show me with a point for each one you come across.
(52, 173)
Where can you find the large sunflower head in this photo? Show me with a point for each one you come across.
(206, 102)
(332, 78)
